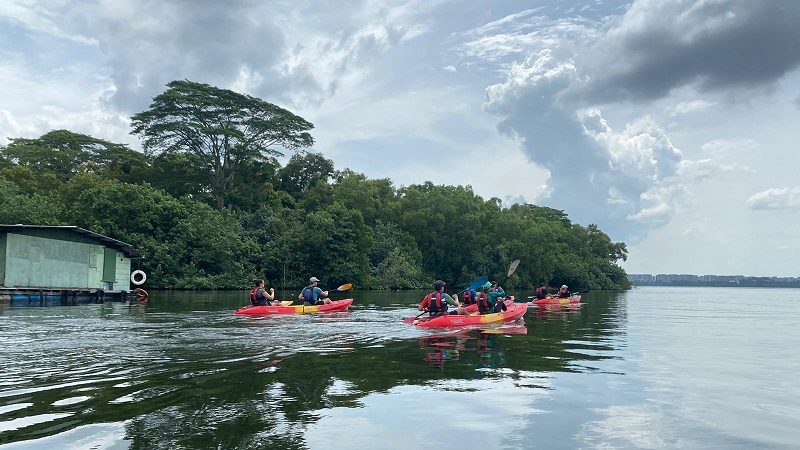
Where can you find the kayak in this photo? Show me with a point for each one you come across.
(557, 301)
(336, 305)
(474, 307)
(514, 312)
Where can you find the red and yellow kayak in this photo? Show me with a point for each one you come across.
(514, 312)
(336, 305)
(557, 301)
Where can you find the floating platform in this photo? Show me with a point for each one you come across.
(61, 296)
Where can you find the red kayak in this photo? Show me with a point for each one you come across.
(336, 305)
(474, 307)
(557, 301)
(514, 312)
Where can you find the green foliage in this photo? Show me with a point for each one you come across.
(64, 154)
(399, 271)
(209, 147)
(303, 171)
(17, 206)
(223, 128)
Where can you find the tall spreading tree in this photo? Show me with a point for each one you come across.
(225, 129)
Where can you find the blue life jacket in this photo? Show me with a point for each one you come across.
(308, 294)
(436, 303)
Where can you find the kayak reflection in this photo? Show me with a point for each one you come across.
(475, 347)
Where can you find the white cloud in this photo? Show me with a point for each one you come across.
(689, 107)
(775, 199)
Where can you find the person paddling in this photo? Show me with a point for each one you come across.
(496, 288)
(313, 295)
(541, 292)
(436, 302)
(490, 301)
(563, 292)
(260, 297)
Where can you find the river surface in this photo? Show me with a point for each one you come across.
(653, 367)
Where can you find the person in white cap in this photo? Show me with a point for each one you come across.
(563, 292)
(313, 295)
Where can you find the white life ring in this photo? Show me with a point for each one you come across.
(136, 281)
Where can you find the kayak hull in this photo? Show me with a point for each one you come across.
(336, 305)
(558, 301)
(514, 312)
(474, 307)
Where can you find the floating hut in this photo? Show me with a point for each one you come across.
(41, 263)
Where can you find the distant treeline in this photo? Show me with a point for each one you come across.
(209, 206)
(761, 282)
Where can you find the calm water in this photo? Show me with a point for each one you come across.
(648, 368)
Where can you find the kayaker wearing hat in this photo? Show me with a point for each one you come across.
(489, 301)
(563, 292)
(310, 295)
(496, 288)
(436, 302)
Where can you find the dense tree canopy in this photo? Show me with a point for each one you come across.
(283, 223)
(223, 128)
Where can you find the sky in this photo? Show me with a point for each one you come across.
(673, 126)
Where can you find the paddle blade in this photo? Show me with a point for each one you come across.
(345, 287)
(512, 268)
(477, 283)
(287, 302)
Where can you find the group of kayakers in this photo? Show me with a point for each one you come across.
(489, 298)
(310, 295)
(541, 292)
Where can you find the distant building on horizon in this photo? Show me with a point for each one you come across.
(682, 279)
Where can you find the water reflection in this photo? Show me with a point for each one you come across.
(183, 371)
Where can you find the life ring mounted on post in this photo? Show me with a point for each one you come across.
(138, 277)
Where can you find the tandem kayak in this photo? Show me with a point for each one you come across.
(474, 307)
(514, 312)
(557, 301)
(336, 305)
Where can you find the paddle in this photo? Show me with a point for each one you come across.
(344, 287)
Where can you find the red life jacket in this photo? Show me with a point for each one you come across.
(483, 302)
(254, 295)
(436, 304)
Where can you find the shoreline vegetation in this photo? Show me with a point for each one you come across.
(209, 206)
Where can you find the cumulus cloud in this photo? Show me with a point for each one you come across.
(563, 73)
(657, 46)
(775, 199)
(627, 180)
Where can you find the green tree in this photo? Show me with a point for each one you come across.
(303, 171)
(225, 129)
(65, 153)
(35, 208)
